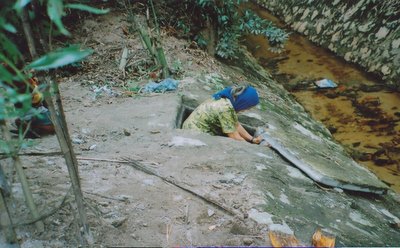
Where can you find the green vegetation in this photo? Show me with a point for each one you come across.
(229, 20)
(16, 36)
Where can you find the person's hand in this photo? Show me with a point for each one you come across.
(256, 140)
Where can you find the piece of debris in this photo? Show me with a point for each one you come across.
(281, 239)
(320, 239)
(77, 141)
(325, 84)
(210, 212)
(103, 89)
(168, 84)
(126, 132)
(212, 227)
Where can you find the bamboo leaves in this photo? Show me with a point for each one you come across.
(55, 10)
(60, 58)
(20, 4)
(87, 8)
(7, 26)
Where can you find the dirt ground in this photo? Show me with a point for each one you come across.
(125, 206)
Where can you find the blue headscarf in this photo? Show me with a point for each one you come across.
(248, 98)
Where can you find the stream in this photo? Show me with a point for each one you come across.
(361, 113)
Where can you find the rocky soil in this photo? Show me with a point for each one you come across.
(195, 189)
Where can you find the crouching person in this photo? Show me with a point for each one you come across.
(218, 115)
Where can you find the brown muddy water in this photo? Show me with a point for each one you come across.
(361, 113)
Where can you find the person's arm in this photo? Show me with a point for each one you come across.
(235, 135)
(242, 134)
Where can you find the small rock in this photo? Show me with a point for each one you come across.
(212, 227)
(104, 204)
(248, 241)
(92, 147)
(210, 212)
(124, 198)
(126, 132)
(134, 236)
(77, 141)
(118, 222)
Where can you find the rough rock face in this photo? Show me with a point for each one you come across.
(366, 32)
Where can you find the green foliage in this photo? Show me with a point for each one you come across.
(214, 80)
(232, 23)
(201, 41)
(87, 8)
(177, 67)
(183, 26)
(59, 58)
(11, 56)
(8, 49)
(10, 97)
(7, 26)
(55, 11)
(20, 4)
(228, 44)
(253, 24)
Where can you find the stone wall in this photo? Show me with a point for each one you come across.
(366, 32)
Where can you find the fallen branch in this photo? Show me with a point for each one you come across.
(34, 154)
(103, 160)
(124, 60)
(105, 197)
(137, 165)
(46, 215)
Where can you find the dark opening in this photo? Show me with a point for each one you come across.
(183, 114)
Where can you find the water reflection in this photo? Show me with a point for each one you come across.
(360, 112)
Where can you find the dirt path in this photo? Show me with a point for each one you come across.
(127, 206)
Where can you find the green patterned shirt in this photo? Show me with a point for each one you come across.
(216, 117)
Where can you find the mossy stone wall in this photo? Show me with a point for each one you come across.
(366, 32)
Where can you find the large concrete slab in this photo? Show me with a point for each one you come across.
(322, 160)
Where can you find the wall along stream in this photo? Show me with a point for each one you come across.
(361, 113)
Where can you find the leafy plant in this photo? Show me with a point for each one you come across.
(59, 58)
(177, 67)
(232, 21)
(14, 16)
